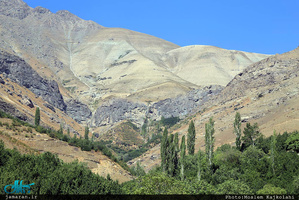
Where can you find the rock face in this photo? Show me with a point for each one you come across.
(20, 72)
(184, 104)
(274, 70)
(26, 101)
(119, 109)
(78, 111)
(14, 8)
(8, 108)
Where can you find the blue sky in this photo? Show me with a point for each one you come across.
(260, 26)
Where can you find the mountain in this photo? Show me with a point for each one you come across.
(83, 74)
(96, 63)
(265, 92)
(209, 65)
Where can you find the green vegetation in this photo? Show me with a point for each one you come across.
(51, 175)
(258, 165)
(191, 138)
(182, 157)
(37, 117)
(237, 130)
(251, 133)
(129, 144)
(168, 122)
(210, 140)
(84, 144)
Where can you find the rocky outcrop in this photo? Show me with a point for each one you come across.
(119, 109)
(78, 111)
(184, 104)
(10, 109)
(275, 70)
(26, 101)
(20, 72)
(14, 8)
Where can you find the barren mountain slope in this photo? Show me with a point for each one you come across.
(265, 92)
(96, 63)
(209, 65)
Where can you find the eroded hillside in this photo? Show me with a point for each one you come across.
(266, 93)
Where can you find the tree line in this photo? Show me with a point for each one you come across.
(255, 165)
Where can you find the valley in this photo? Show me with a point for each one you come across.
(107, 97)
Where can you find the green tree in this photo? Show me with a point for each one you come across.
(209, 140)
(68, 131)
(233, 187)
(273, 151)
(37, 117)
(293, 142)
(182, 157)
(155, 184)
(86, 132)
(191, 138)
(254, 165)
(139, 170)
(163, 150)
(61, 129)
(270, 189)
(200, 157)
(237, 130)
(176, 141)
(172, 156)
(296, 184)
(251, 133)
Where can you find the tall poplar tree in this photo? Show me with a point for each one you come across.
(182, 157)
(172, 157)
(86, 132)
(273, 151)
(237, 130)
(209, 140)
(251, 133)
(176, 141)
(37, 117)
(191, 138)
(163, 150)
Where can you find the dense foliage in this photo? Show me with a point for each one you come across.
(51, 175)
(258, 165)
(191, 138)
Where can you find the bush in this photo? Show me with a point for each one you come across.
(169, 121)
(29, 130)
(270, 189)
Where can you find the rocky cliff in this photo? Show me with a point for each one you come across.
(78, 111)
(181, 106)
(20, 72)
